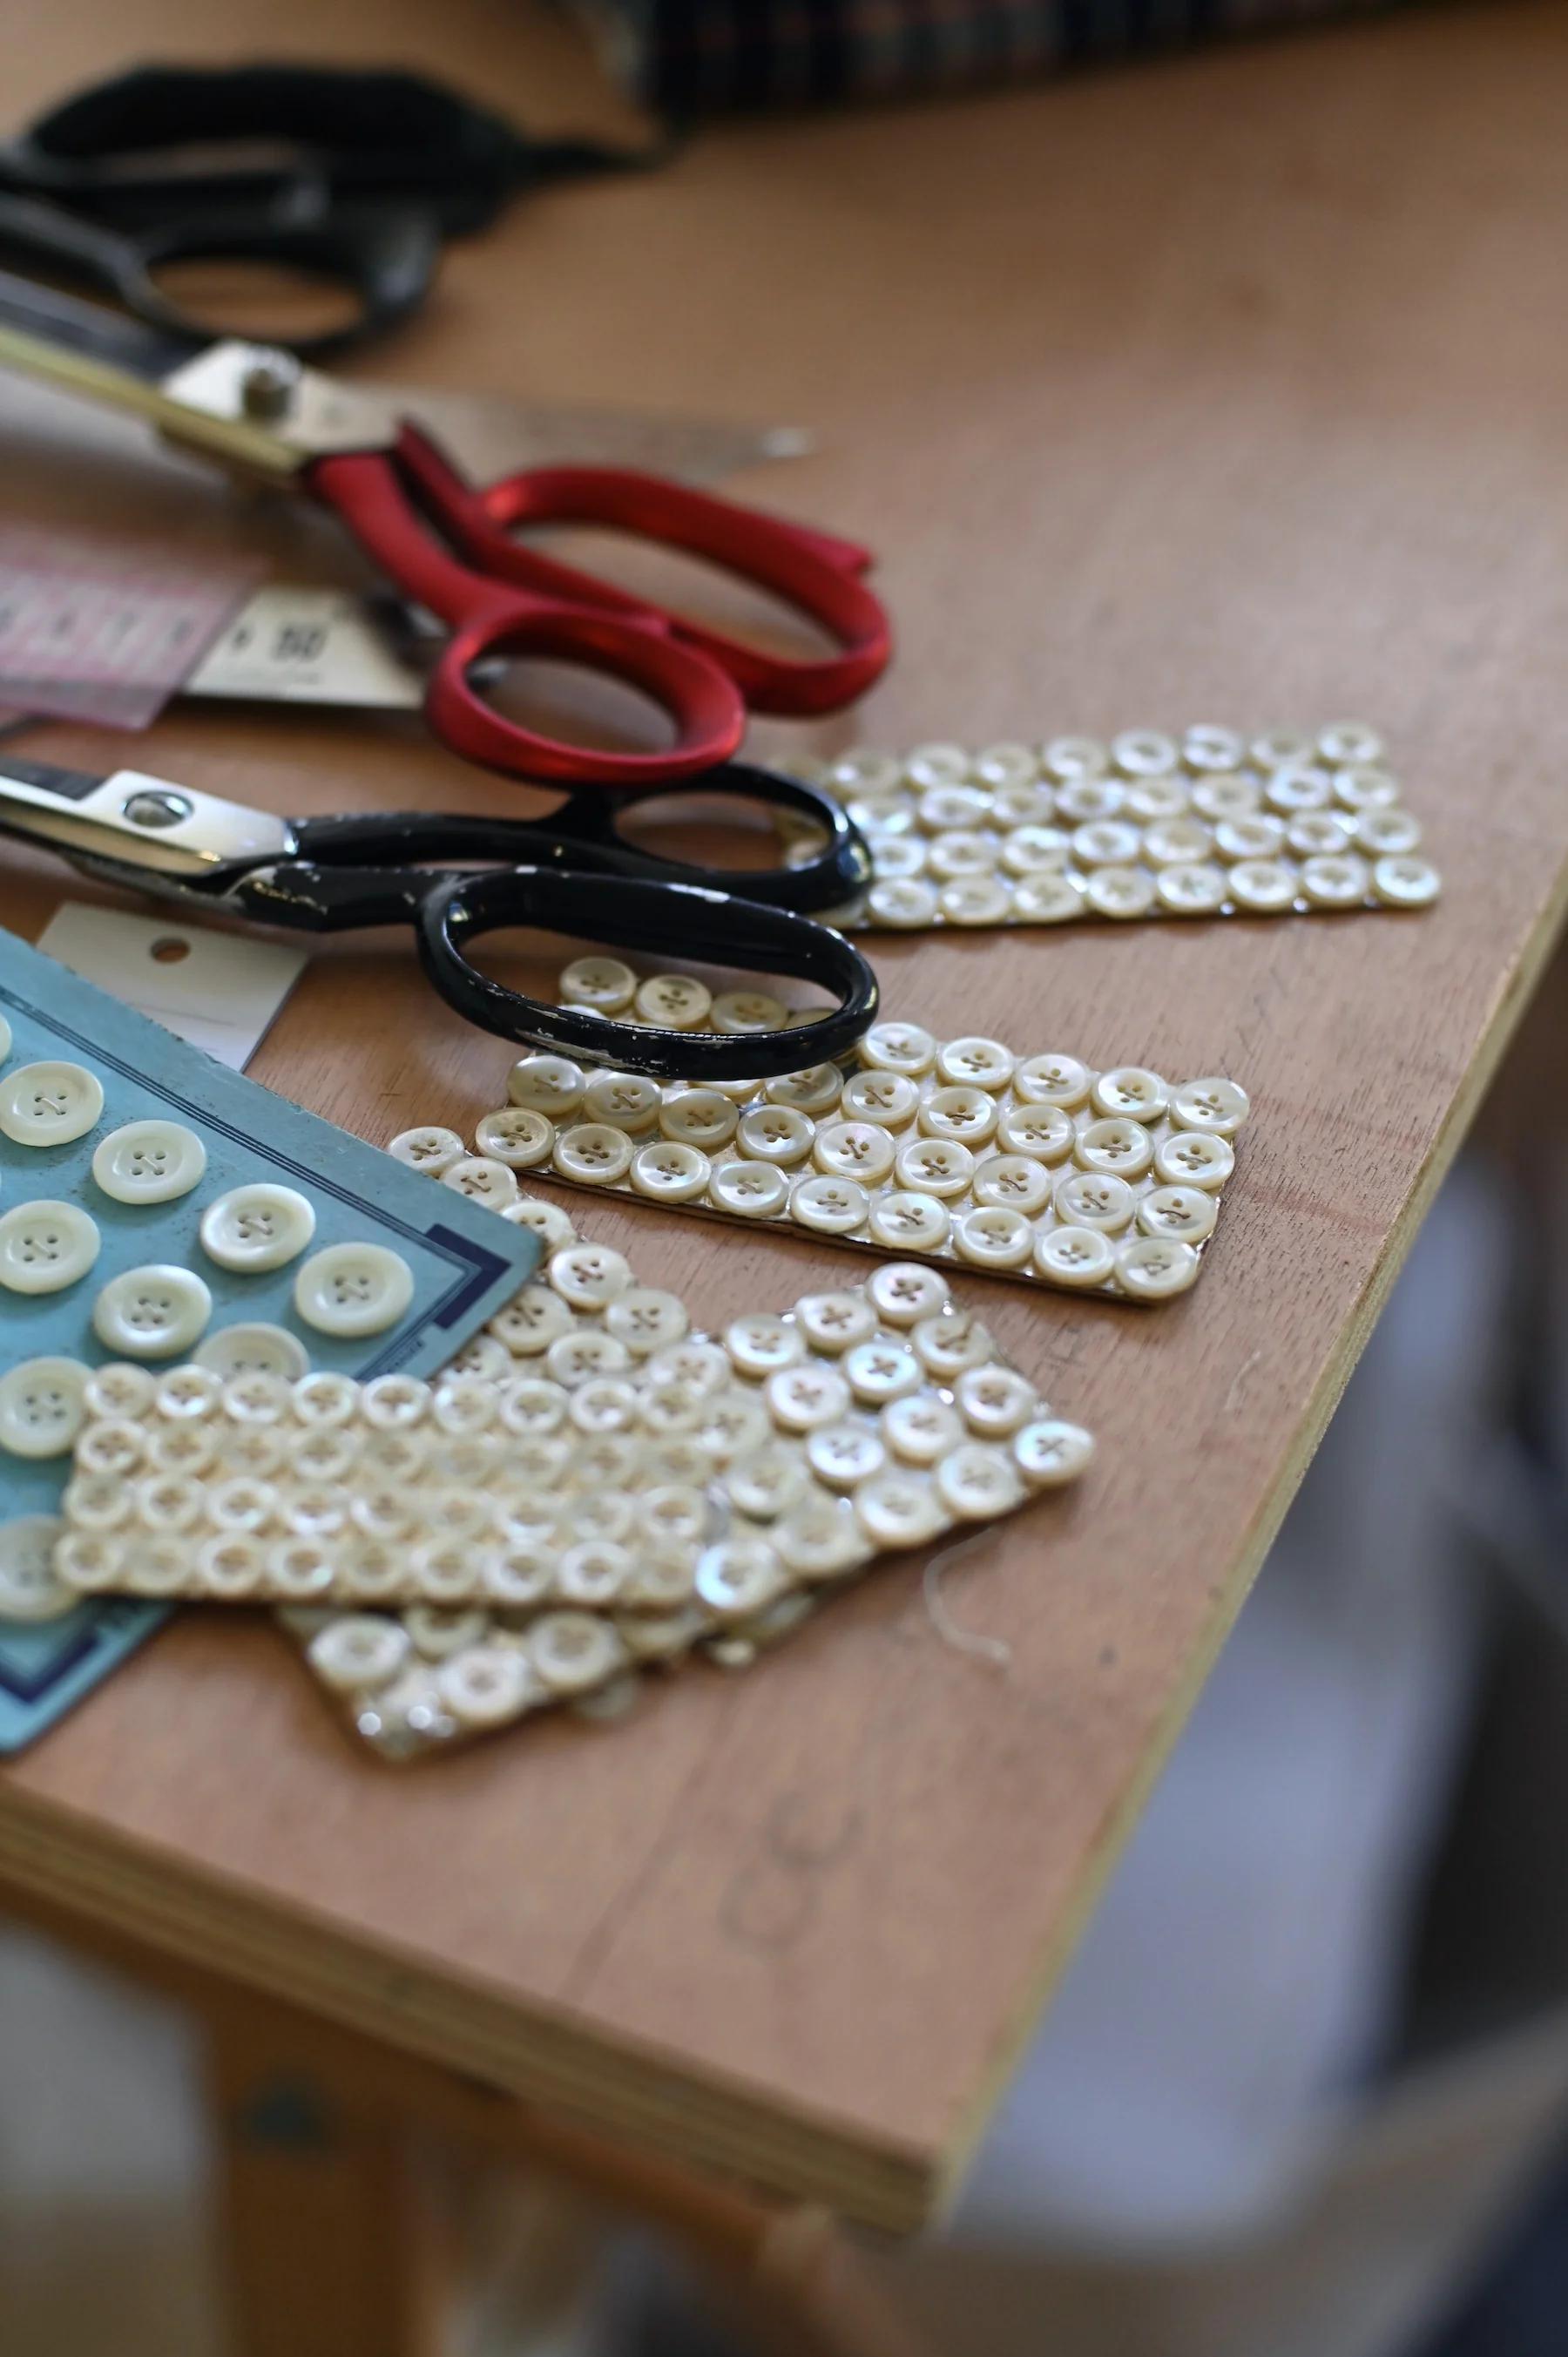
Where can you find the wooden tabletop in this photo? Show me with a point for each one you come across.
(1230, 390)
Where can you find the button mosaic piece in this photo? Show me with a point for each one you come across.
(1211, 823)
(590, 1487)
(1033, 1167)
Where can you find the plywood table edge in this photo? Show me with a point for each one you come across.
(1539, 946)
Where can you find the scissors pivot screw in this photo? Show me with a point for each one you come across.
(159, 809)
(269, 385)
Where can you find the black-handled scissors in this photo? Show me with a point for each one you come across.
(352, 178)
(572, 872)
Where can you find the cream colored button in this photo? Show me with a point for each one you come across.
(843, 1454)
(119, 1391)
(153, 1312)
(1090, 802)
(701, 1365)
(749, 1191)
(963, 1113)
(1074, 757)
(154, 1566)
(1181, 838)
(736, 1578)
(1349, 741)
(30, 1588)
(1385, 833)
(1156, 801)
(1190, 1158)
(438, 1632)
(358, 1652)
(1145, 752)
(430, 1149)
(548, 1221)
(977, 1480)
(527, 1404)
(583, 1354)
(603, 1404)
(255, 1349)
(941, 1166)
(902, 902)
(327, 1398)
(646, 1319)
(921, 1427)
(1184, 1212)
(902, 1222)
(854, 1149)
(593, 1153)
(1051, 1080)
(1049, 1452)
(1405, 883)
(593, 1573)
(1317, 834)
(1276, 747)
(1006, 765)
(1041, 1132)
(1262, 885)
(531, 1321)
(519, 1575)
(674, 1002)
(1336, 880)
(830, 1206)
(1131, 1090)
(1048, 899)
(628, 1100)
(606, 983)
(899, 1510)
(864, 770)
(898, 1048)
(483, 1180)
(257, 1228)
(100, 1501)
(820, 1539)
(834, 1322)
(742, 1013)
(1298, 786)
(1120, 892)
(670, 1172)
(487, 1685)
(45, 1246)
(1036, 850)
(1151, 1268)
(1093, 1199)
(42, 1407)
(1256, 835)
(514, 1137)
(1020, 805)
(112, 1444)
(675, 1513)
(777, 1133)
(887, 1099)
(1216, 1106)
(50, 1103)
(903, 1293)
(255, 1398)
(975, 1062)
(1106, 843)
(699, 1117)
(1206, 746)
(1115, 1143)
(573, 1652)
(767, 1481)
(976, 901)
(88, 1562)
(1196, 889)
(1078, 1256)
(185, 1449)
(257, 1450)
(881, 1371)
(936, 765)
(761, 1344)
(947, 810)
(950, 1342)
(991, 1237)
(353, 1289)
(464, 1403)
(552, 1085)
(803, 1397)
(482, 1356)
(1013, 1182)
(149, 1162)
(590, 1276)
(733, 1424)
(188, 1395)
(1218, 799)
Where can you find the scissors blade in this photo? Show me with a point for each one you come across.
(131, 820)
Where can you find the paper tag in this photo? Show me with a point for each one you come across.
(219, 991)
(309, 646)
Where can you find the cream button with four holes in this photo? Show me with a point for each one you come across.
(905, 1220)
(483, 1180)
(29, 1587)
(256, 1228)
(514, 1134)
(149, 1162)
(42, 1407)
(594, 1153)
(431, 1150)
(156, 1312)
(753, 1190)
(45, 1247)
(353, 1289)
(50, 1103)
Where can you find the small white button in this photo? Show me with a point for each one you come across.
(149, 1162)
(515, 1136)
(394, 1402)
(904, 1221)
(552, 1085)
(1090, 802)
(487, 1685)
(1320, 834)
(834, 1322)
(882, 1370)
(1218, 1107)
(963, 1113)
(1185, 1212)
(188, 1395)
(942, 1166)
(1075, 1256)
(606, 983)
(995, 1401)
(1013, 1182)
(976, 901)
(604, 1404)
(1255, 835)
(899, 1510)
(353, 1289)
(1193, 888)
(548, 1221)
(153, 1312)
(1093, 1199)
(50, 1103)
(699, 1118)
(1074, 757)
(1405, 883)
(1153, 1269)
(483, 1180)
(646, 1319)
(484, 1355)
(1190, 1158)
(1263, 886)
(257, 1398)
(1105, 843)
(1049, 1452)
(1049, 900)
(1115, 1143)
(921, 1427)
(100, 1501)
(976, 1481)
(1130, 1090)
(761, 1344)
(1298, 786)
(253, 1350)
(254, 1228)
(862, 770)
(739, 1013)
(45, 1247)
(751, 1191)
(1120, 892)
(898, 1048)
(531, 1321)
(1145, 752)
(936, 765)
(674, 1002)
(736, 1578)
(30, 1588)
(43, 1407)
(1206, 746)
(593, 1153)
(946, 1344)
(114, 1445)
(628, 1100)
(589, 1276)
(830, 1206)
(854, 1149)
(975, 1062)
(1335, 879)
(1385, 833)
(821, 1538)
(902, 903)
(88, 1562)
(670, 1172)
(1224, 798)
(1350, 740)
(780, 1135)
(573, 1652)
(429, 1149)
(767, 1480)
(800, 1398)
(119, 1391)
(816, 1089)
(902, 1293)
(1176, 841)
(1364, 786)
(1037, 849)
(991, 1237)
(358, 1652)
(1008, 765)
(887, 1099)
(1051, 1080)
(843, 1454)
(701, 1365)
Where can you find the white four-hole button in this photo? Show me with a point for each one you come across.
(353, 1289)
(50, 1103)
(152, 1313)
(149, 1162)
(256, 1228)
(42, 1407)
(45, 1247)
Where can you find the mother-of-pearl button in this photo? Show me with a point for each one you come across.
(1041, 1132)
(1121, 892)
(897, 1509)
(188, 1395)
(761, 1344)
(1115, 1143)
(976, 1062)
(776, 1134)
(995, 1400)
(904, 1292)
(1405, 883)
(486, 1685)
(606, 983)
(1093, 1199)
(1350, 740)
(888, 1099)
(590, 1276)
(1252, 834)
(800, 1398)
(628, 1100)
(901, 1220)
(514, 1134)
(153, 1312)
(1184, 1212)
(1263, 885)
(670, 1171)
(740, 1012)
(552, 1085)
(1074, 756)
(119, 1391)
(829, 1205)
(50, 1103)
(1386, 833)
(1335, 879)
(898, 1048)
(1037, 849)
(1151, 1268)
(1075, 1255)
(1130, 1090)
(899, 901)
(880, 1370)
(854, 1149)
(752, 1190)
(1191, 1157)
(45, 1246)
(1013, 1182)
(646, 1319)
(921, 1427)
(429, 1149)
(993, 1237)
(674, 1002)
(942, 1166)
(1106, 843)
(548, 1221)
(1218, 1107)
(1298, 786)
(1007, 764)
(594, 1153)
(255, 1349)
(149, 1162)
(30, 1588)
(482, 1180)
(948, 1343)
(767, 1480)
(1051, 1451)
(1193, 887)
(89, 1562)
(1052, 1080)
(819, 1538)
(737, 1577)
(1048, 899)
(353, 1289)
(961, 1112)
(42, 1407)
(1218, 799)
(812, 1090)
(1320, 833)
(843, 1454)
(112, 1444)
(574, 1650)
(834, 1322)
(531, 1321)
(358, 1651)
(1176, 840)
(1207, 746)
(1145, 752)
(1090, 802)
(977, 1479)
(256, 1228)
(699, 1118)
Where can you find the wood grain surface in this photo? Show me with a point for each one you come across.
(1225, 390)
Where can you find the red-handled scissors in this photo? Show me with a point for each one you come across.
(450, 546)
